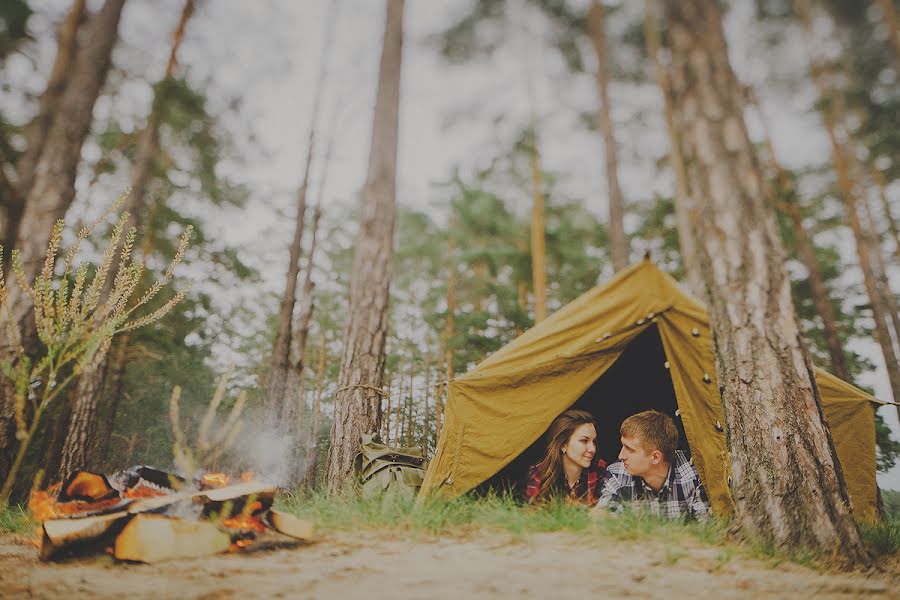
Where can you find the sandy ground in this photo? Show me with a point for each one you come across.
(374, 565)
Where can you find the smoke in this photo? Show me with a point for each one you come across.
(270, 453)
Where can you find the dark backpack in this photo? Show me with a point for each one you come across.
(382, 469)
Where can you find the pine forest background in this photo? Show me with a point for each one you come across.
(493, 93)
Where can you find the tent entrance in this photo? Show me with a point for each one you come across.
(637, 381)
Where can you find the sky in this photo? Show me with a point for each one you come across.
(266, 54)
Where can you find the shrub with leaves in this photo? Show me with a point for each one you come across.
(76, 315)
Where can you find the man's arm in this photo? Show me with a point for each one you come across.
(698, 503)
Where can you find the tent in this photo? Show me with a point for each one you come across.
(634, 343)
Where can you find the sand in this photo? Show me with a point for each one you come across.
(376, 564)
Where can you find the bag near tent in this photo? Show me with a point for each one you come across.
(382, 469)
(637, 342)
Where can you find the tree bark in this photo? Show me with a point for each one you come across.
(786, 483)
(83, 427)
(683, 200)
(786, 202)
(410, 423)
(618, 241)
(312, 441)
(53, 190)
(36, 130)
(361, 376)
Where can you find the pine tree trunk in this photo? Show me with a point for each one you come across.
(410, 424)
(787, 484)
(425, 423)
(878, 176)
(36, 130)
(362, 362)
(398, 418)
(683, 201)
(618, 242)
(312, 442)
(538, 249)
(53, 190)
(277, 384)
(90, 386)
(833, 118)
(786, 202)
(890, 16)
(112, 390)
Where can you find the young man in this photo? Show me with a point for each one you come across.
(651, 473)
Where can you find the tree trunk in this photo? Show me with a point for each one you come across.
(618, 242)
(277, 384)
(410, 423)
(787, 484)
(878, 176)
(362, 362)
(312, 442)
(89, 389)
(833, 118)
(51, 194)
(106, 421)
(890, 16)
(36, 130)
(398, 419)
(683, 201)
(786, 202)
(538, 249)
(426, 426)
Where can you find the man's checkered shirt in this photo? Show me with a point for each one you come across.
(682, 495)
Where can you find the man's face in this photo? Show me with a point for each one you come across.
(637, 460)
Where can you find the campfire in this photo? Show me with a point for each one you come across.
(147, 515)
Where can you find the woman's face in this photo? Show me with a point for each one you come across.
(582, 446)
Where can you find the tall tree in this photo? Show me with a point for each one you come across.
(357, 399)
(834, 120)
(277, 392)
(36, 130)
(686, 242)
(86, 397)
(785, 194)
(787, 484)
(618, 242)
(53, 189)
(538, 233)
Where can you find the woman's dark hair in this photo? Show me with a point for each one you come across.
(550, 469)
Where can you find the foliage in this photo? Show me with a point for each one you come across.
(17, 520)
(76, 319)
(882, 538)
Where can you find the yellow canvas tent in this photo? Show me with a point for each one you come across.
(636, 342)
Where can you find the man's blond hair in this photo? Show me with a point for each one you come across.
(656, 431)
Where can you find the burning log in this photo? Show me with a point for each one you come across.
(63, 534)
(290, 525)
(152, 538)
(149, 515)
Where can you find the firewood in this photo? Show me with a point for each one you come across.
(153, 538)
(290, 525)
(240, 490)
(59, 534)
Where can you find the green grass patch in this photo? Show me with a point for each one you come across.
(882, 538)
(18, 520)
(501, 513)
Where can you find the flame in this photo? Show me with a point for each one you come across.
(144, 491)
(43, 505)
(248, 476)
(239, 545)
(215, 479)
(246, 522)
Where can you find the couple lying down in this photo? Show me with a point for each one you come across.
(651, 473)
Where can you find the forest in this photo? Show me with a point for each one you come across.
(239, 237)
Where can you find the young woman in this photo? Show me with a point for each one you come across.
(568, 468)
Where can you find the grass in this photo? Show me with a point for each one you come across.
(882, 538)
(504, 514)
(17, 520)
(501, 513)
